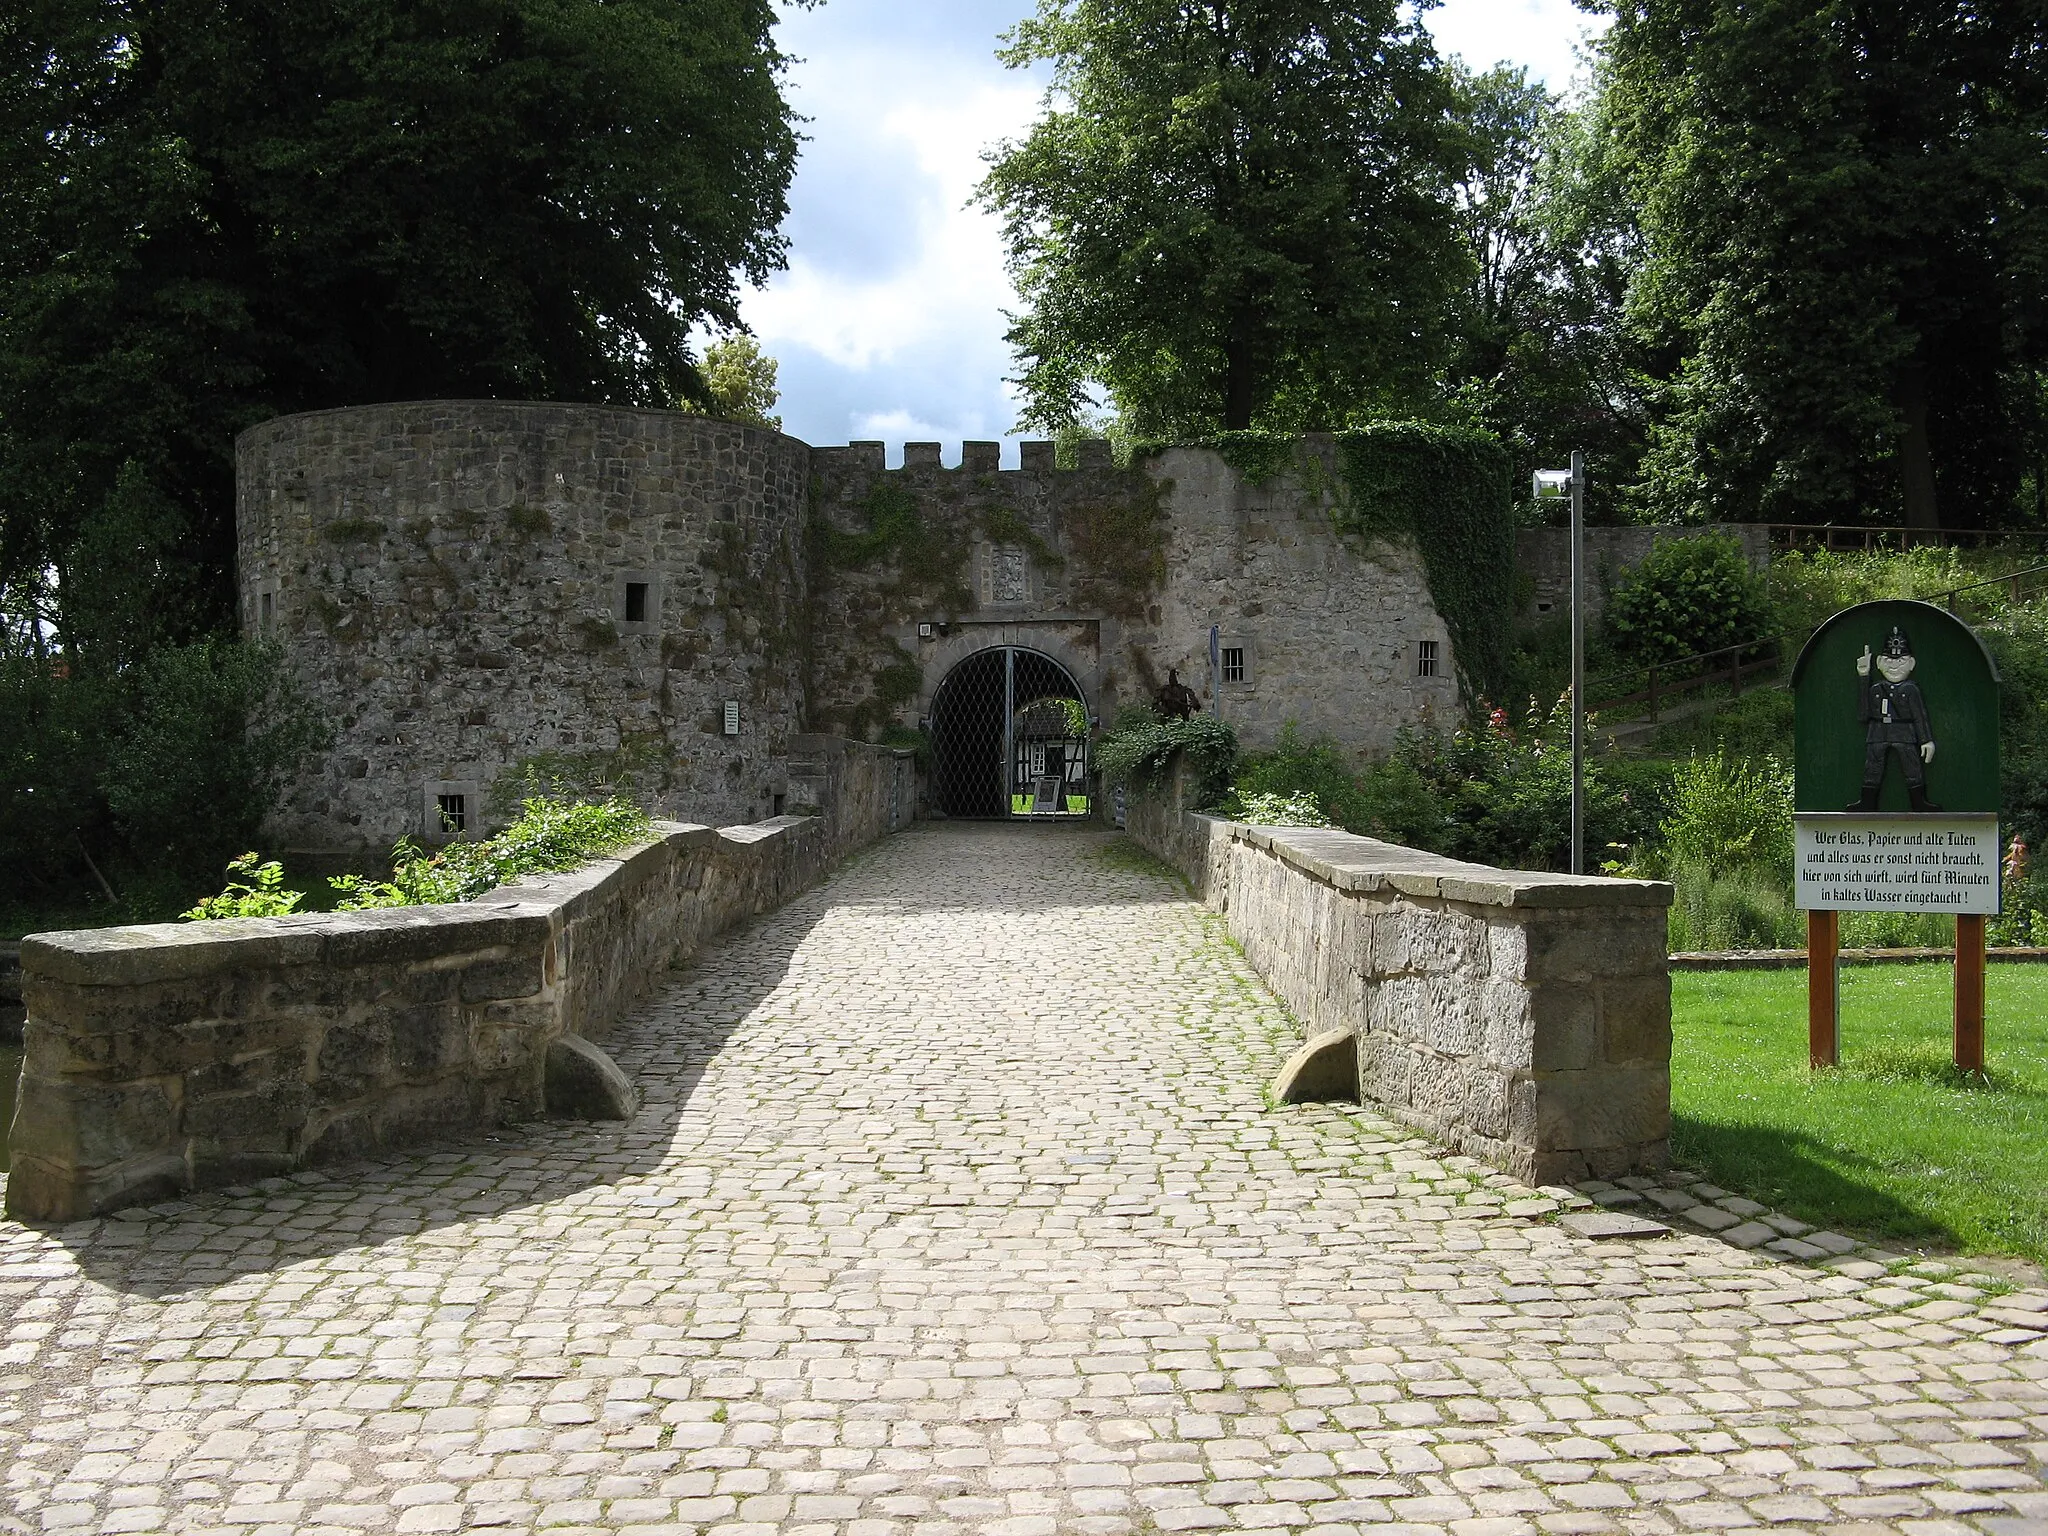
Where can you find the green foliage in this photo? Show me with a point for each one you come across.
(216, 214)
(1313, 773)
(1542, 355)
(1686, 596)
(1841, 254)
(1449, 488)
(157, 774)
(1138, 749)
(549, 836)
(1228, 215)
(253, 890)
(1727, 812)
(1267, 810)
(740, 378)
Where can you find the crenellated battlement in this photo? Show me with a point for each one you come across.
(1091, 455)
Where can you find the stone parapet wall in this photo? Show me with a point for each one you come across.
(1519, 1017)
(1543, 559)
(178, 1056)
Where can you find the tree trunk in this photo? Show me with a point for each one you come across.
(1916, 457)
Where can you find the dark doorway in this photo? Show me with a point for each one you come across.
(1009, 731)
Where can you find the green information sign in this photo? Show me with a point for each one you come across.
(1895, 708)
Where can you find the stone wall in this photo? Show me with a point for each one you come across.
(1543, 558)
(452, 584)
(178, 1056)
(1117, 574)
(1521, 1018)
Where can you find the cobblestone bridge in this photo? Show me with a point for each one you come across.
(955, 1208)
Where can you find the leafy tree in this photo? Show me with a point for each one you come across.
(1231, 212)
(1541, 353)
(1847, 240)
(740, 379)
(220, 211)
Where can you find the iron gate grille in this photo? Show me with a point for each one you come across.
(1009, 732)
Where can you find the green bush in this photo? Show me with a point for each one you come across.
(1688, 595)
(1314, 772)
(549, 836)
(1729, 812)
(155, 775)
(1270, 810)
(1136, 750)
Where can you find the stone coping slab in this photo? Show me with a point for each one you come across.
(521, 912)
(1353, 863)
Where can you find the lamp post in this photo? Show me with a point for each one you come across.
(1551, 485)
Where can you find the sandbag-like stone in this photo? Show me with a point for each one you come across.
(585, 1084)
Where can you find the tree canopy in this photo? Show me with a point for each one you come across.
(1230, 213)
(1846, 243)
(216, 212)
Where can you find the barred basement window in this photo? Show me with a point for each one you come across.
(1425, 659)
(1233, 663)
(454, 812)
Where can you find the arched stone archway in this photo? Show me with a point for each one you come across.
(1009, 732)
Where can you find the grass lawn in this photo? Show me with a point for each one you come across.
(1889, 1145)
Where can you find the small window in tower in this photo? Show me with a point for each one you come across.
(1426, 659)
(454, 812)
(269, 608)
(636, 602)
(1233, 663)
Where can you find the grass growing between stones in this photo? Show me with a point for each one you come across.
(1892, 1144)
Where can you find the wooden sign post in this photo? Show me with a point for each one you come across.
(1895, 795)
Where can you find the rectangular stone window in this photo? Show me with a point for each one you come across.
(1426, 659)
(636, 602)
(451, 811)
(1233, 664)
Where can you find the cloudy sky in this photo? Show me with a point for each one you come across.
(888, 323)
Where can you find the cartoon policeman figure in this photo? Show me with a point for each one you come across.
(1894, 723)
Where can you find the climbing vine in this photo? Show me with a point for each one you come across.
(1448, 488)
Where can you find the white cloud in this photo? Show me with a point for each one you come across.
(1543, 35)
(950, 288)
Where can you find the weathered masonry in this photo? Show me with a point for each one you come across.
(657, 599)
(179, 1056)
(1518, 1017)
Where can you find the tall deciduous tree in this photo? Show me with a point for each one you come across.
(1847, 229)
(1541, 354)
(1231, 212)
(215, 210)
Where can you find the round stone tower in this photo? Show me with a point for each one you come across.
(467, 589)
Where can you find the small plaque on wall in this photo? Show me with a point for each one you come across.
(732, 717)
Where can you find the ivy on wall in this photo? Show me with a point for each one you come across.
(1450, 488)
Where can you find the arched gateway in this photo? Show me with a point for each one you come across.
(1009, 730)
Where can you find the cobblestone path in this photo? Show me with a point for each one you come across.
(955, 1209)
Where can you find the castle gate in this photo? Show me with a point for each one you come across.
(1009, 732)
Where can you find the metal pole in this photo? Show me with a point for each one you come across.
(1578, 664)
(1009, 729)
